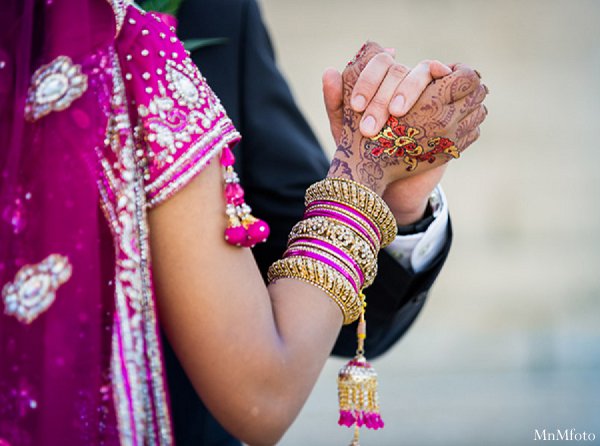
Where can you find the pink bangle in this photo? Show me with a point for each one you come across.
(351, 210)
(336, 251)
(322, 259)
(345, 219)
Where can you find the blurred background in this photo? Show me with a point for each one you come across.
(509, 341)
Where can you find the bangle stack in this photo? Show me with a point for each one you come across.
(335, 246)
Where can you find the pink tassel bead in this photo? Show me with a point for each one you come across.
(258, 232)
(236, 235)
(227, 158)
(234, 193)
(346, 418)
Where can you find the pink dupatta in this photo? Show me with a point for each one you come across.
(103, 116)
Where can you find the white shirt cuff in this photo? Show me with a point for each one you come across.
(416, 252)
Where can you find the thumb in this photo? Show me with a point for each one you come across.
(333, 98)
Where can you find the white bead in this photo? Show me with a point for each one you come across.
(132, 21)
(144, 52)
(161, 53)
(149, 90)
(145, 32)
(128, 76)
(146, 76)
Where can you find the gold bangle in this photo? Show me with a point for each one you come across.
(358, 197)
(324, 277)
(368, 266)
(330, 231)
(362, 224)
(330, 255)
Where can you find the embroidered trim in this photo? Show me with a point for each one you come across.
(34, 288)
(54, 87)
(137, 372)
(120, 9)
(198, 156)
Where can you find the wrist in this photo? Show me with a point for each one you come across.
(412, 216)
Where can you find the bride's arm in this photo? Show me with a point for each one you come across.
(252, 353)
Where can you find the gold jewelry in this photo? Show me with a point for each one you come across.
(359, 198)
(324, 277)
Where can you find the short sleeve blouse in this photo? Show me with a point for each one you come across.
(180, 122)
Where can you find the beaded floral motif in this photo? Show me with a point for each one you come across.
(34, 288)
(169, 126)
(399, 140)
(54, 87)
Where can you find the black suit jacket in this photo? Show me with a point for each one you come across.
(278, 158)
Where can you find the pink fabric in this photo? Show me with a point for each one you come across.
(84, 366)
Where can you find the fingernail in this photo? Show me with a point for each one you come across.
(397, 103)
(368, 124)
(478, 74)
(487, 90)
(485, 109)
(359, 102)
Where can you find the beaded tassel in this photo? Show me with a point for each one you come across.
(357, 387)
(243, 229)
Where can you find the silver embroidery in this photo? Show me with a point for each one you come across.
(54, 87)
(34, 288)
(168, 125)
(120, 9)
(137, 374)
(185, 83)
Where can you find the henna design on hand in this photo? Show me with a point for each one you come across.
(398, 140)
(442, 123)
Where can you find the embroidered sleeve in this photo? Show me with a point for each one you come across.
(181, 123)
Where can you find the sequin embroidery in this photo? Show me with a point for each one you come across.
(170, 126)
(34, 288)
(54, 87)
(120, 9)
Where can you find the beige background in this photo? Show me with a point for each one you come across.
(509, 341)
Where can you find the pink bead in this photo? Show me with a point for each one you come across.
(258, 232)
(227, 158)
(236, 235)
(346, 418)
(234, 193)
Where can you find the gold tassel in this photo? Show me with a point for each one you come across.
(357, 387)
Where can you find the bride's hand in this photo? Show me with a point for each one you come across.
(443, 122)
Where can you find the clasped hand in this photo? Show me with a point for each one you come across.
(396, 128)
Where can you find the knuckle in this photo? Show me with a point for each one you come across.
(398, 70)
(384, 57)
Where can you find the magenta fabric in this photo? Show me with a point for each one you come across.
(80, 359)
(54, 385)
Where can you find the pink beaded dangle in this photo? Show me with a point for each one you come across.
(243, 229)
(357, 388)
